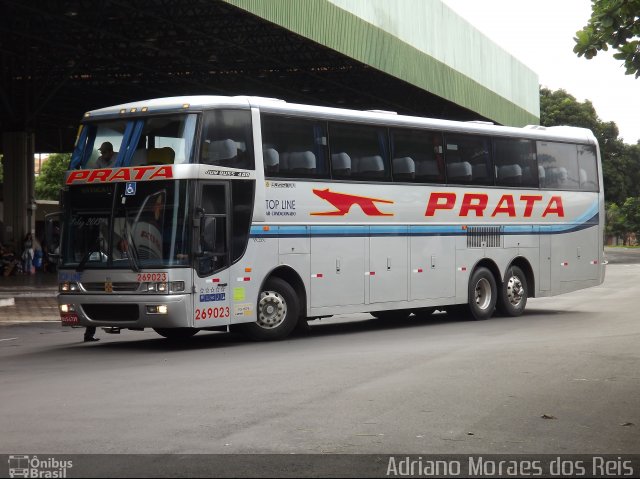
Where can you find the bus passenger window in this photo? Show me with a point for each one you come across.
(366, 149)
(515, 163)
(560, 163)
(294, 147)
(468, 160)
(416, 156)
(588, 165)
(227, 139)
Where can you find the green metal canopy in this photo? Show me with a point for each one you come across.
(421, 42)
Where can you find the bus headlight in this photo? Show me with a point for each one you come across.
(68, 287)
(170, 287)
(67, 308)
(157, 309)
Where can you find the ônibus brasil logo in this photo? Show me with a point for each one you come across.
(33, 466)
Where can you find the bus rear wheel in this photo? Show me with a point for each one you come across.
(278, 312)
(483, 294)
(176, 333)
(514, 293)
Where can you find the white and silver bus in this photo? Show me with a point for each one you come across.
(259, 214)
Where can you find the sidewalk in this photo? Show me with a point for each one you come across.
(28, 298)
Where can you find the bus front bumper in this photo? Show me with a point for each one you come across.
(130, 311)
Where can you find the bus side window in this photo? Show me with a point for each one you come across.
(227, 139)
(414, 154)
(365, 146)
(588, 165)
(468, 160)
(293, 147)
(560, 163)
(515, 162)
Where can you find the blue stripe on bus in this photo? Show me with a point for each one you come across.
(305, 231)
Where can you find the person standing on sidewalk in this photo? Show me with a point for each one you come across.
(27, 254)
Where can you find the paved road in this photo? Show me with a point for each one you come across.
(351, 385)
(622, 255)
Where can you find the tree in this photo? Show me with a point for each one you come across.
(615, 23)
(615, 222)
(51, 177)
(631, 211)
(560, 108)
(621, 167)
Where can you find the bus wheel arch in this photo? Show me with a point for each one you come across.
(279, 307)
(295, 281)
(515, 288)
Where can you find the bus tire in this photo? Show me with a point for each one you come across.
(514, 292)
(278, 312)
(176, 334)
(483, 294)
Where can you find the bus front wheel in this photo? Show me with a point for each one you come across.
(514, 294)
(278, 312)
(483, 294)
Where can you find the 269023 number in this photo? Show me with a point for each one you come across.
(142, 277)
(208, 313)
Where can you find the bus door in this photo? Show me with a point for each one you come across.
(388, 263)
(212, 256)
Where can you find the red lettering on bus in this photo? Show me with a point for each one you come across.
(530, 200)
(505, 205)
(99, 175)
(136, 173)
(435, 203)
(163, 171)
(474, 201)
(141, 170)
(77, 175)
(122, 174)
(558, 209)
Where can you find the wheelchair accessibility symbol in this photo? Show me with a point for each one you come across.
(130, 189)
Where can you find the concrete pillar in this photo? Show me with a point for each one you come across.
(19, 192)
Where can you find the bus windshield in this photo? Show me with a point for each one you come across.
(136, 142)
(144, 225)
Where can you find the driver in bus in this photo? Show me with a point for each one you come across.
(107, 156)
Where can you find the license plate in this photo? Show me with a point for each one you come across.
(69, 319)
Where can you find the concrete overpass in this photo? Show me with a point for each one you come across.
(63, 57)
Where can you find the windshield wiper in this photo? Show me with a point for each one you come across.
(132, 250)
(88, 254)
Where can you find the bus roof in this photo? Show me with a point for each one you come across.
(273, 105)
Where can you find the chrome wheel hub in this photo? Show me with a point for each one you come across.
(272, 309)
(483, 294)
(515, 291)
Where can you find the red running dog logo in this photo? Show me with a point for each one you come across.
(343, 203)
